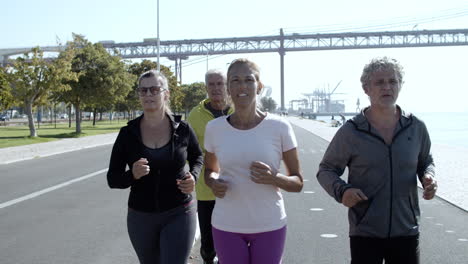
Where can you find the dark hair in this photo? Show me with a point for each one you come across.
(249, 63)
(256, 71)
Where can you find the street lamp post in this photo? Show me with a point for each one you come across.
(157, 39)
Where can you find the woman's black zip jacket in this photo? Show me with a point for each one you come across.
(157, 191)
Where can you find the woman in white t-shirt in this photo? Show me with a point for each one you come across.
(243, 155)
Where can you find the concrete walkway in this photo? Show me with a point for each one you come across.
(14, 154)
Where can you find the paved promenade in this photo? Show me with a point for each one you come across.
(450, 161)
(317, 227)
(26, 152)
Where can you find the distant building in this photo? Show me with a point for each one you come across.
(334, 106)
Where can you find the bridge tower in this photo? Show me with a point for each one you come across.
(178, 66)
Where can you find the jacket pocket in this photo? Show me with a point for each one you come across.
(361, 210)
(415, 220)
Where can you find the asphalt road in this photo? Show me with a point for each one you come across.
(84, 221)
(318, 226)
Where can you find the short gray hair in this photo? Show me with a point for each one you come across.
(214, 72)
(381, 64)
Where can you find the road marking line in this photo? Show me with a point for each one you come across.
(61, 185)
(53, 188)
(329, 235)
(316, 209)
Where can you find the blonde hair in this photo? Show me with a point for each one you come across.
(157, 74)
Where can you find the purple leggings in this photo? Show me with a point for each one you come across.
(257, 248)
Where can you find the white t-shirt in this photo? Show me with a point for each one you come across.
(249, 207)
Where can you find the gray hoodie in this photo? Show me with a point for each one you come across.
(385, 173)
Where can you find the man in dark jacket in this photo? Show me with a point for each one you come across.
(386, 151)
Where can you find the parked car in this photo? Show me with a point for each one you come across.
(4, 118)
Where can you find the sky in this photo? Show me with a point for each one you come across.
(433, 80)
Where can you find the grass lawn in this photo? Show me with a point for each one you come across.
(19, 135)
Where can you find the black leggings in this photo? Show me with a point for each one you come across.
(205, 210)
(163, 238)
(397, 250)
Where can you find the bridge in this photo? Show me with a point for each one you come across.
(179, 50)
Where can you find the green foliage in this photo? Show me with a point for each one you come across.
(33, 78)
(177, 95)
(6, 98)
(268, 104)
(102, 79)
(194, 93)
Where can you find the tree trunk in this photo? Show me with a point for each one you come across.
(32, 128)
(69, 116)
(55, 115)
(94, 116)
(78, 118)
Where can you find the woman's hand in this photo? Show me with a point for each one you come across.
(219, 187)
(140, 168)
(187, 184)
(262, 173)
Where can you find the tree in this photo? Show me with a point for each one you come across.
(102, 79)
(268, 104)
(194, 93)
(6, 98)
(33, 78)
(177, 95)
(111, 80)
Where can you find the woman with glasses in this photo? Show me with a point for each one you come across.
(155, 147)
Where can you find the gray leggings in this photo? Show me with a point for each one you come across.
(163, 238)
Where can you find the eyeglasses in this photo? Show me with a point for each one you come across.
(154, 90)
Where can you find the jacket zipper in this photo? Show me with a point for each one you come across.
(391, 190)
(391, 165)
(391, 175)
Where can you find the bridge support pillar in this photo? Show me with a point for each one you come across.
(3, 60)
(178, 66)
(282, 53)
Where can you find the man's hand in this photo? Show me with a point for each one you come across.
(430, 186)
(353, 196)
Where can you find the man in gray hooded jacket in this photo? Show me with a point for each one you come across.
(386, 151)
